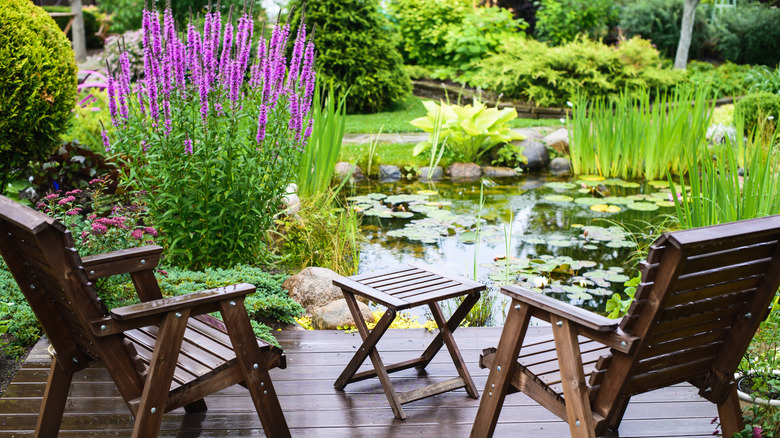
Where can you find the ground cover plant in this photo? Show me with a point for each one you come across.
(637, 138)
(212, 138)
(37, 86)
(550, 76)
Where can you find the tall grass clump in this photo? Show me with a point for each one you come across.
(317, 162)
(740, 182)
(635, 137)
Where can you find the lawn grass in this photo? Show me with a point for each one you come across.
(397, 120)
(398, 154)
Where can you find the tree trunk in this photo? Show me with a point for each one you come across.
(686, 31)
(79, 36)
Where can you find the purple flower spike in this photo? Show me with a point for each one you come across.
(188, 146)
(227, 44)
(106, 143)
(297, 55)
(262, 121)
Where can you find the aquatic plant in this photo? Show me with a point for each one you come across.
(634, 137)
(212, 137)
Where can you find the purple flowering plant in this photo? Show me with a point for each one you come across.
(95, 232)
(212, 134)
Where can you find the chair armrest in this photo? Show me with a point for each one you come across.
(574, 314)
(151, 312)
(122, 262)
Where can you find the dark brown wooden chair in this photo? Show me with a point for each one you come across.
(160, 353)
(702, 296)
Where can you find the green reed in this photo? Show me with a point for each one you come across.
(634, 137)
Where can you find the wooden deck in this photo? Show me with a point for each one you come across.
(313, 408)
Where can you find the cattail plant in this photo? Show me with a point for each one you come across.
(212, 135)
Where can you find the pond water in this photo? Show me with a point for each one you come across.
(572, 238)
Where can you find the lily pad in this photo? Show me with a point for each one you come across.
(427, 192)
(590, 247)
(659, 184)
(664, 203)
(558, 198)
(584, 190)
(592, 178)
(642, 206)
(605, 208)
(560, 185)
(403, 214)
(468, 237)
(621, 244)
(588, 201)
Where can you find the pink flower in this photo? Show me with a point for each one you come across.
(92, 217)
(73, 192)
(52, 196)
(99, 228)
(150, 231)
(84, 234)
(72, 212)
(137, 234)
(66, 200)
(41, 206)
(95, 181)
(758, 432)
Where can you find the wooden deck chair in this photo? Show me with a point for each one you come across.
(160, 353)
(702, 296)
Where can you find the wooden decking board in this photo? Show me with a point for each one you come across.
(314, 408)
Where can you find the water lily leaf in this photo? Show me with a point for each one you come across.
(576, 225)
(558, 198)
(642, 206)
(579, 264)
(592, 178)
(664, 203)
(560, 185)
(621, 183)
(535, 240)
(640, 197)
(621, 244)
(617, 278)
(658, 184)
(581, 295)
(588, 201)
(605, 208)
(427, 192)
(560, 243)
(468, 237)
(618, 200)
(600, 291)
(590, 247)
(403, 214)
(583, 190)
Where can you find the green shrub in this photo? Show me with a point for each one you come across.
(37, 85)
(532, 71)
(357, 52)
(23, 327)
(450, 33)
(126, 14)
(90, 117)
(91, 25)
(727, 79)
(750, 34)
(659, 21)
(560, 21)
(423, 26)
(759, 110)
(763, 78)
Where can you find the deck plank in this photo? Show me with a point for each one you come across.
(313, 408)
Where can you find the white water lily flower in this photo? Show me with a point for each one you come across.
(540, 282)
(571, 105)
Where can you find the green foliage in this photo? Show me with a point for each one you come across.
(632, 138)
(532, 71)
(356, 52)
(91, 25)
(468, 131)
(89, 119)
(450, 33)
(16, 315)
(718, 192)
(750, 34)
(617, 306)
(72, 167)
(727, 79)
(510, 155)
(316, 166)
(659, 22)
(759, 109)
(423, 25)
(37, 85)
(126, 14)
(561, 21)
(320, 234)
(763, 78)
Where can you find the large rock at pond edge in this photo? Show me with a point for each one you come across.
(464, 171)
(389, 173)
(343, 168)
(337, 314)
(558, 141)
(560, 166)
(499, 172)
(535, 152)
(437, 174)
(313, 288)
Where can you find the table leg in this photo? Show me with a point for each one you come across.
(457, 359)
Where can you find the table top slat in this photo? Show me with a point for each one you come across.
(439, 295)
(409, 279)
(398, 289)
(384, 272)
(409, 295)
(372, 294)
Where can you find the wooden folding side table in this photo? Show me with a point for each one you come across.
(399, 288)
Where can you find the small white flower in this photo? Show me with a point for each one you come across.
(571, 105)
(771, 117)
(540, 282)
(563, 120)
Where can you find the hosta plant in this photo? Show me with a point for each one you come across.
(466, 131)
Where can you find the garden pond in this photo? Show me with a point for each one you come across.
(573, 238)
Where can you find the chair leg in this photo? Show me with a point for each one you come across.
(457, 317)
(250, 361)
(501, 373)
(196, 406)
(730, 414)
(575, 391)
(54, 398)
(162, 367)
(452, 347)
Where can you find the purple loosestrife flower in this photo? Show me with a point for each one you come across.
(106, 143)
(262, 121)
(297, 55)
(188, 146)
(154, 20)
(112, 94)
(256, 75)
(216, 25)
(227, 45)
(242, 61)
(151, 85)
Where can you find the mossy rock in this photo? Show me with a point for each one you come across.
(37, 85)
